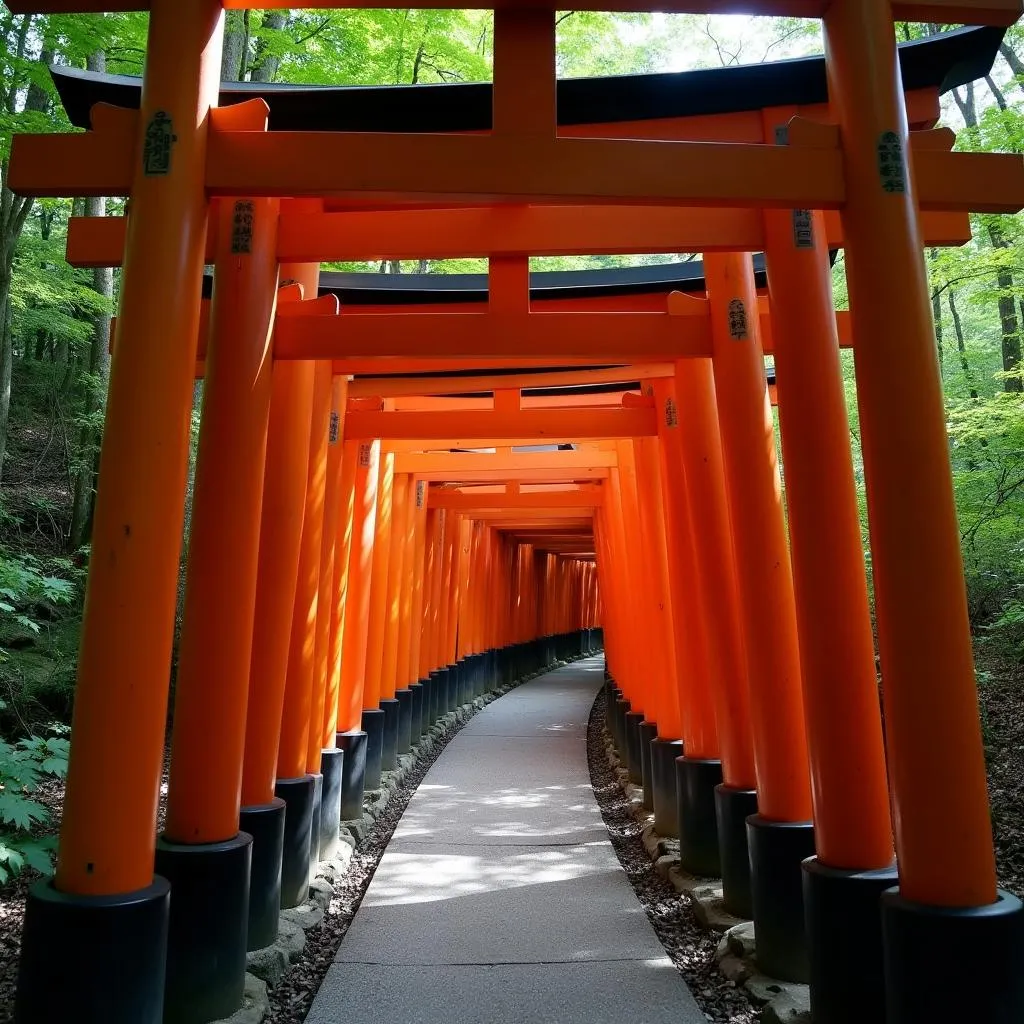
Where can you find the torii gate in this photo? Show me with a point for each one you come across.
(181, 149)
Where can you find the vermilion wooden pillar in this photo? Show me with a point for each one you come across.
(781, 835)
(202, 846)
(108, 831)
(947, 898)
(296, 785)
(360, 726)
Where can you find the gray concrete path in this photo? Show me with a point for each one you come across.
(500, 898)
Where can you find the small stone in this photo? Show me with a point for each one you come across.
(735, 969)
(268, 964)
(792, 1007)
(664, 865)
(709, 909)
(307, 916)
(321, 892)
(634, 792)
(650, 839)
(741, 939)
(291, 939)
(763, 989)
(255, 1003)
(668, 847)
(682, 880)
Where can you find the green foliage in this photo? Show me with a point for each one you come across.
(24, 766)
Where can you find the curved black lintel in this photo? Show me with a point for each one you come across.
(942, 61)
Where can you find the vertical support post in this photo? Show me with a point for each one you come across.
(947, 898)
(781, 835)
(391, 687)
(322, 754)
(373, 691)
(202, 847)
(853, 830)
(296, 785)
(698, 772)
(104, 880)
(360, 724)
(693, 392)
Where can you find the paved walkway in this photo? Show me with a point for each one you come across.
(500, 899)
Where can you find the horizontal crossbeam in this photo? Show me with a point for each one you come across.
(483, 232)
(611, 337)
(967, 12)
(548, 425)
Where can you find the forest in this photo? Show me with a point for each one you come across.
(55, 321)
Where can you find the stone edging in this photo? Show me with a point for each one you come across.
(267, 967)
(783, 1002)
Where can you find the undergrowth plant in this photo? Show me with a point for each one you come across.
(24, 766)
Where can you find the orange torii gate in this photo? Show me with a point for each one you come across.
(788, 706)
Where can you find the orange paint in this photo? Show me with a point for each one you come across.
(212, 689)
(300, 682)
(759, 537)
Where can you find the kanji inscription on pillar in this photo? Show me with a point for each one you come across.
(671, 413)
(421, 493)
(158, 144)
(892, 168)
(365, 451)
(335, 431)
(242, 227)
(803, 229)
(738, 327)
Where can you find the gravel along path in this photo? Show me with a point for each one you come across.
(690, 946)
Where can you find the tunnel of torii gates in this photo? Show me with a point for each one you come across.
(411, 490)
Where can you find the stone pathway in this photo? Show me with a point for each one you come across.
(500, 899)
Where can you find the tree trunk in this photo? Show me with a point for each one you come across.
(1015, 63)
(6, 358)
(95, 398)
(266, 64)
(1009, 325)
(234, 41)
(961, 347)
(197, 407)
(14, 212)
(98, 370)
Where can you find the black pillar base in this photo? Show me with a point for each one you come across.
(265, 824)
(732, 808)
(473, 681)
(314, 824)
(696, 779)
(389, 743)
(844, 940)
(93, 959)
(353, 773)
(452, 684)
(206, 938)
(953, 963)
(622, 706)
(633, 720)
(777, 852)
(298, 796)
(663, 786)
(416, 718)
(612, 694)
(404, 737)
(648, 733)
(332, 768)
(438, 682)
(427, 690)
(373, 726)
